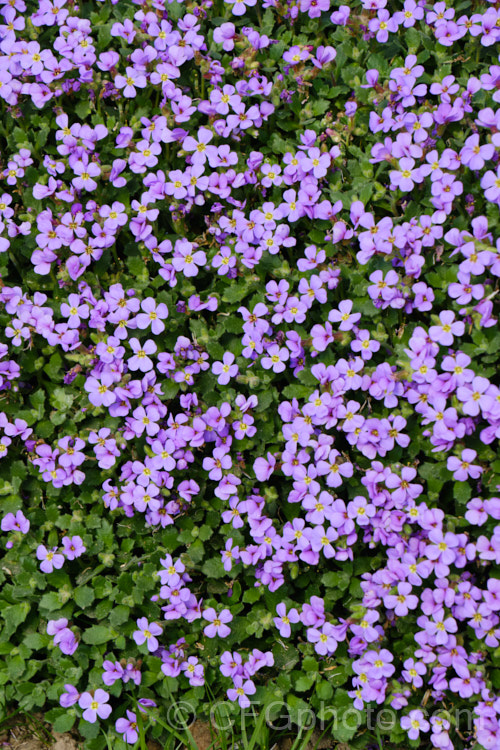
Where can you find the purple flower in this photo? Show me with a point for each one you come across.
(325, 639)
(415, 723)
(296, 55)
(73, 548)
(17, 522)
(132, 80)
(225, 369)
(99, 390)
(50, 558)
(95, 705)
(217, 626)
(413, 671)
(147, 634)
(264, 467)
(448, 328)
(141, 361)
(67, 641)
(275, 358)
(128, 728)
(403, 601)
(229, 555)
(284, 619)
(382, 25)
(187, 260)
(491, 185)
(85, 171)
(153, 315)
(241, 690)
(365, 628)
(219, 461)
(54, 627)
(239, 7)
(70, 697)
(194, 671)
(344, 316)
(464, 468)
(224, 34)
(406, 177)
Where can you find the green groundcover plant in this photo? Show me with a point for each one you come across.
(249, 266)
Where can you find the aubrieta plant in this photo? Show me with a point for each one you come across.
(249, 259)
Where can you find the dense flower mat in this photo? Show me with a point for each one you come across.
(249, 415)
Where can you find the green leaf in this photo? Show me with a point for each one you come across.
(88, 730)
(339, 580)
(303, 682)
(347, 726)
(38, 400)
(51, 601)
(286, 656)
(45, 429)
(324, 690)
(98, 634)
(13, 616)
(299, 711)
(64, 722)
(462, 492)
(296, 391)
(15, 667)
(252, 595)
(119, 615)
(196, 551)
(235, 292)
(36, 641)
(82, 109)
(84, 596)
(61, 399)
(213, 568)
(170, 388)
(309, 664)
(205, 533)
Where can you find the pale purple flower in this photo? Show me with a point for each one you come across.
(147, 634)
(403, 601)
(187, 259)
(275, 358)
(464, 467)
(344, 315)
(407, 175)
(85, 171)
(99, 390)
(50, 558)
(491, 185)
(226, 369)
(448, 328)
(73, 547)
(17, 522)
(70, 697)
(194, 671)
(218, 622)
(242, 689)
(141, 361)
(284, 619)
(229, 555)
(128, 728)
(415, 723)
(132, 80)
(239, 7)
(95, 705)
(296, 55)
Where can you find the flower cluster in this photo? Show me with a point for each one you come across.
(249, 261)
